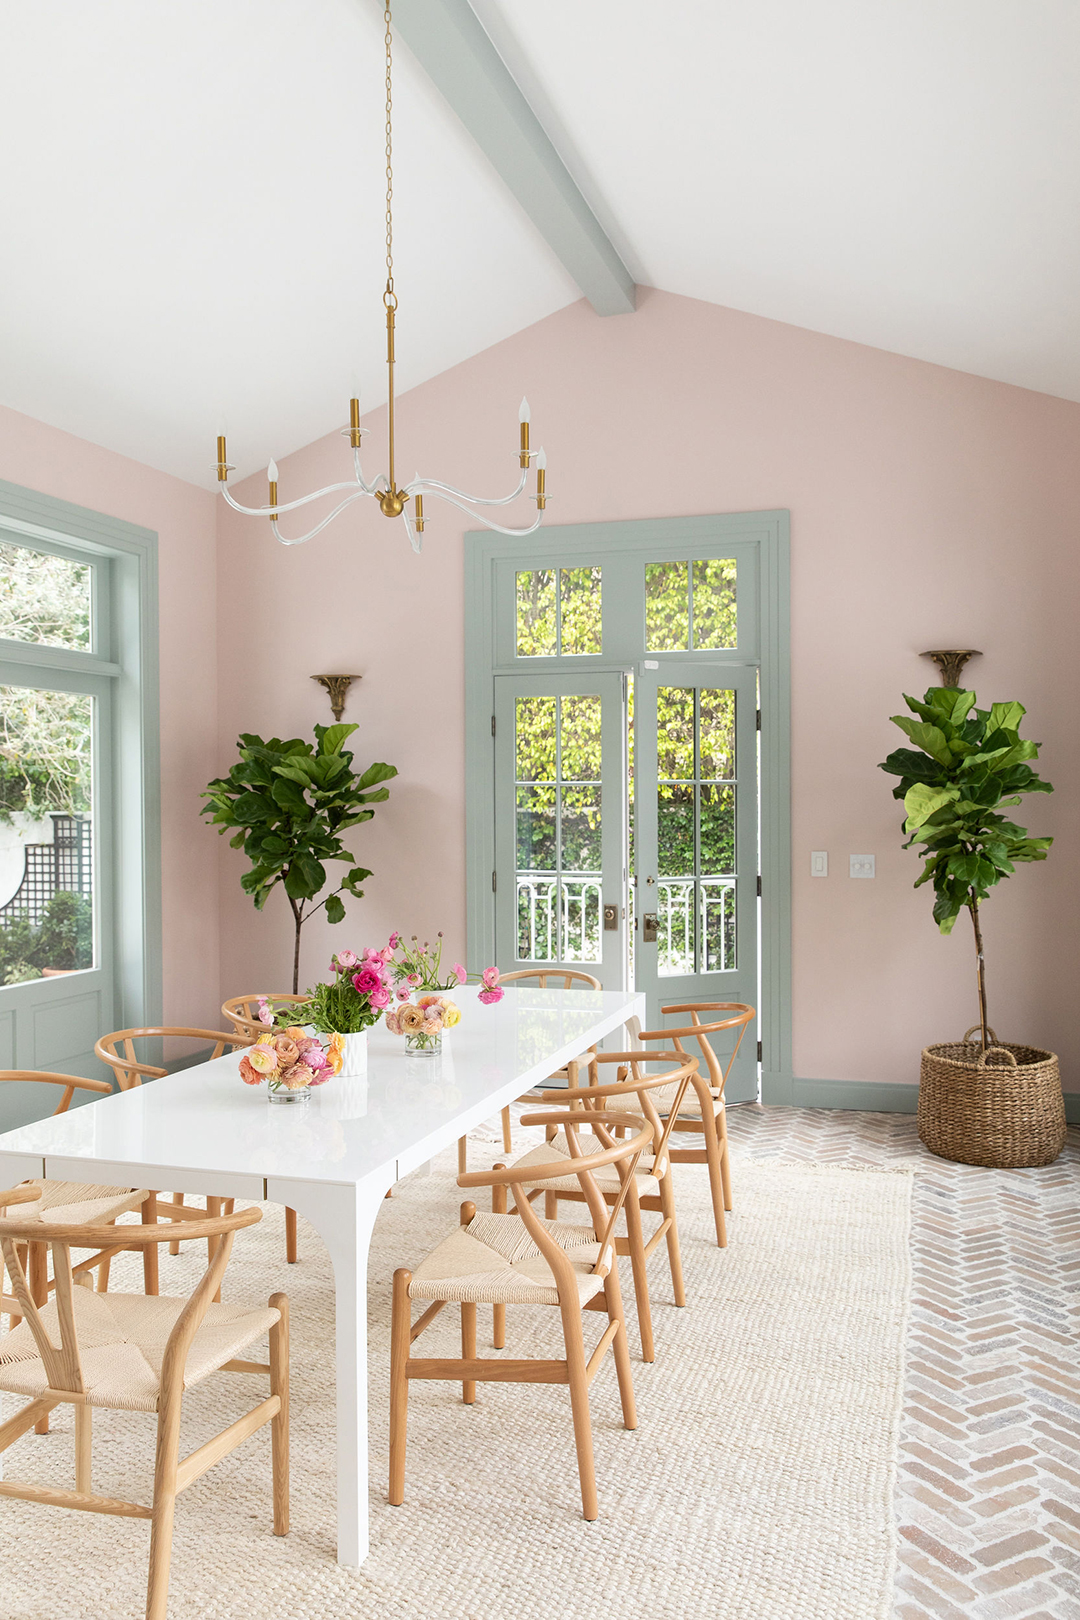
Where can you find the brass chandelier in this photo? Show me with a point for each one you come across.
(392, 499)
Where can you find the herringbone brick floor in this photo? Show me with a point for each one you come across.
(988, 1493)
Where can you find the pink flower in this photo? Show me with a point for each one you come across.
(346, 959)
(250, 1076)
(320, 1077)
(366, 981)
(412, 978)
(264, 1015)
(459, 973)
(492, 994)
(380, 997)
(403, 992)
(371, 954)
(394, 942)
(315, 1057)
(490, 977)
(297, 1077)
(391, 1022)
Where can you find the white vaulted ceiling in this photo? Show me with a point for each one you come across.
(191, 215)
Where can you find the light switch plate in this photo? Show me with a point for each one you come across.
(862, 866)
(819, 863)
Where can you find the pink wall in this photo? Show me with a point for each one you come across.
(42, 458)
(928, 508)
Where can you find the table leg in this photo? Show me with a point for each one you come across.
(344, 1217)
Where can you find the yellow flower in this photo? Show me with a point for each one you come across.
(410, 1018)
(262, 1056)
(451, 1014)
(337, 1042)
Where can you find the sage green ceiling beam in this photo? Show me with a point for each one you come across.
(449, 42)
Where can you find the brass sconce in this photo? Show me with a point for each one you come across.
(337, 686)
(951, 662)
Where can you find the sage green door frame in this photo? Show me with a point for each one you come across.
(759, 541)
(126, 662)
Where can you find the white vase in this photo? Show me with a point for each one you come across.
(354, 1054)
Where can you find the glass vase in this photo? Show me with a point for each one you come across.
(429, 1045)
(276, 1092)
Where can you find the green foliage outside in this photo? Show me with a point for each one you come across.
(64, 939)
(290, 804)
(966, 766)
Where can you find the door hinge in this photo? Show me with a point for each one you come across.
(758, 727)
(493, 883)
(759, 1051)
(759, 885)
(493, 724)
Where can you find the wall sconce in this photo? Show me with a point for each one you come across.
(951, 662)
(337, 686)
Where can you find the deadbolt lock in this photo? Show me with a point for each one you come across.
(611, 917)
(649, 927)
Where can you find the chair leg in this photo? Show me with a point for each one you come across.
(640, 1273)
(579, 1406)
(148, 1215)
(468, 1349)
(38, 1281)
(462, 1152)
(161, 1524)
(725, 1161)
(401, 1323)
(174, 1246)
(84, 1433)
(716, 1185)
(213, 1208)
(498, 1312)
(279, 1425)
(292, 1253)
(620, 1348)
(551, 1206)
(667, 1206)
(508, 1146)
(23, 1252)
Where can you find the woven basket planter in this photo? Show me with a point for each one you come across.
(1002, 1108)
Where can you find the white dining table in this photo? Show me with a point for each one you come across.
(331, 1158)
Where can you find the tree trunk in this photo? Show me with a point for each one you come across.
(973, 907)
(298, 917)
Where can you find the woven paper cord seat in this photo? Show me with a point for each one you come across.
(606, 1179)
(73, 1203)
(494, 1261)
(122, 1338)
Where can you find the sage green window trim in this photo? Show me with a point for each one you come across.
(124, 610)
(759, 542)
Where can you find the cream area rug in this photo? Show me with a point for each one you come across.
(757, 1485)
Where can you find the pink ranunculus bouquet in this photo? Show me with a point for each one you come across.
(288, 1060)
(424, 1012)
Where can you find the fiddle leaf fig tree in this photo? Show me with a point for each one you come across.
(967, 766)
(291, 803)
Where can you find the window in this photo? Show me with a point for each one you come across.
(558, 612)
(558, 815)
(695, 819)
(690, 607)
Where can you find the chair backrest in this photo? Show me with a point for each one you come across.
(70, 1082)
(62, 1363)
(241, 1011)
(623, 1155)
(632, 1087)
(118, 1050)
(562, 978)
(738, 1016)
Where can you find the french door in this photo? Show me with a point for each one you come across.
(561, 823)
(696, 842)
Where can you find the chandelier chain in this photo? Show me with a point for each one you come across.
(389, 297)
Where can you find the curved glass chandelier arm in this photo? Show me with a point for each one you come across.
(368, 489)
(488, 524)
(432, 485)
(291, 506)
(357, 495)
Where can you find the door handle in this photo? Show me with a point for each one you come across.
(649, 926)
(611, 918)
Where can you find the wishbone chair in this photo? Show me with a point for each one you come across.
(117, 1051)
(539, 976)
(44, 1361)
(704, 1113)
(632, 1092)
(519, 1259)
(241, 1012)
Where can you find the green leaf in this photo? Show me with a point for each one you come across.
(929, 738)
(237, 842)
(1006, 716)
(376, 773)
(922, 801)
(332, 738)
(335, 910)
(288, 795)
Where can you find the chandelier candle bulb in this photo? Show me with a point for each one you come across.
(541, 479)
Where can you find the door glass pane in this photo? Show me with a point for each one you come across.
(667, 607)
(695, 890)
(46, 866)
(714, 603)
(44, 598)
(559, 855)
